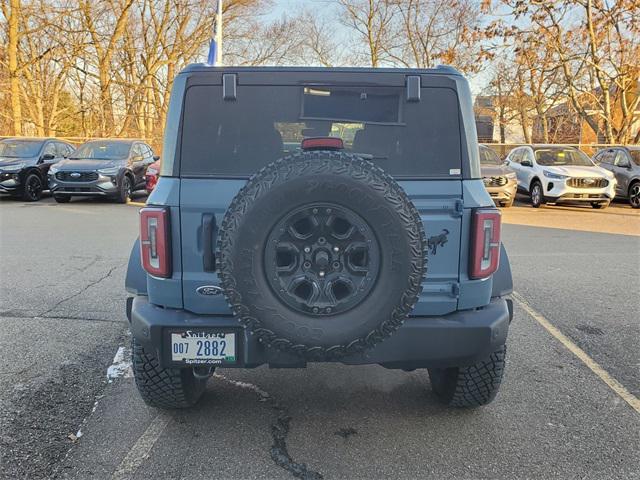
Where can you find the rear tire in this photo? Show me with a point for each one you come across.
(62, 198)
(167, 388)
(536, 194)
(472, 386)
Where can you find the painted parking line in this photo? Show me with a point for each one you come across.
(136, 204)
(613, 384)
(141, 449)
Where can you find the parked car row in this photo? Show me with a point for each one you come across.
(116, 168)
(111, 169)
(561, 174)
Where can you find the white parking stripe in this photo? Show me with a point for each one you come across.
(141, 449)
(613, 384)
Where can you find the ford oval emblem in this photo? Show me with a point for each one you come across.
(75, 175)
(209, 290)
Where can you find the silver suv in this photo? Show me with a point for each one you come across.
(624, 163)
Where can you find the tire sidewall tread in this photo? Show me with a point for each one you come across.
(308, 164)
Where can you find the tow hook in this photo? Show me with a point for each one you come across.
(202, 373)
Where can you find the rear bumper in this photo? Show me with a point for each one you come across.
(457, 339)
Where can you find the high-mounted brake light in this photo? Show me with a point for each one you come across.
(155, 248)
(485, 244)
(322, 143)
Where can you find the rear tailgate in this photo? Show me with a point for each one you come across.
(439, 204)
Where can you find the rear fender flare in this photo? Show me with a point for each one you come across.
(136, 279)
(502, 280)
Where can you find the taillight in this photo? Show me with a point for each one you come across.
(155, 246)
(485, 244)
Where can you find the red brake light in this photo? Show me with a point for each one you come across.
(485, 244)
(155, 241)
(322, 143)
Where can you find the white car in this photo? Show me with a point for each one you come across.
(561, 174)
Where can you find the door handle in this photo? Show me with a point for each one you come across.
(208, 229)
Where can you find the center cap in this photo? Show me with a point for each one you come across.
(322, 259)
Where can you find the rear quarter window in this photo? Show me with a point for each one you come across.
(236, 138)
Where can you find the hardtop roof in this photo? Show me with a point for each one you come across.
(439, 70)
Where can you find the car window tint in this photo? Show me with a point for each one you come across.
(621, 159)
(606, 156)
(61, 150)
(527, 155)
(50, 148)
(137, 150)
(516, 155)
(237, 138)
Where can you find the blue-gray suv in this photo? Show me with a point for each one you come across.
(319, 215)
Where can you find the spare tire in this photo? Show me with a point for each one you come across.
(322, 254)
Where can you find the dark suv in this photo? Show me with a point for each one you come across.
(624, 163)
(314, 215)
(102, 168)
(24, 163)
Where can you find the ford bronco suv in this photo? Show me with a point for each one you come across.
(319, 215)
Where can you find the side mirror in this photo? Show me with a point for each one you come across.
(526, 163)
(156, 158)
(47, 156)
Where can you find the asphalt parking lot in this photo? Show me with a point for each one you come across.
(558, 415)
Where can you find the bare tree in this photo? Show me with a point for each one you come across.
(12, 11)
(373, 23)
(595, 46)
(433, 32)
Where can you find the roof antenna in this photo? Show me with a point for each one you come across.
(215, 47)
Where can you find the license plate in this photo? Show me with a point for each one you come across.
(203, 347)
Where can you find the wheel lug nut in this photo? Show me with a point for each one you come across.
(315, 310)
(307, 265)
(307, 249)
(315, 210)
(336, 249)
(336, 265)
(321, 274)
(328, 310)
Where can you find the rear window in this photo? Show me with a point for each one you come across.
(237, 138)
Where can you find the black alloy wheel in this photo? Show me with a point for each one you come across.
(32, 188)
(634, 195)
(322, 259)
(125, 189)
